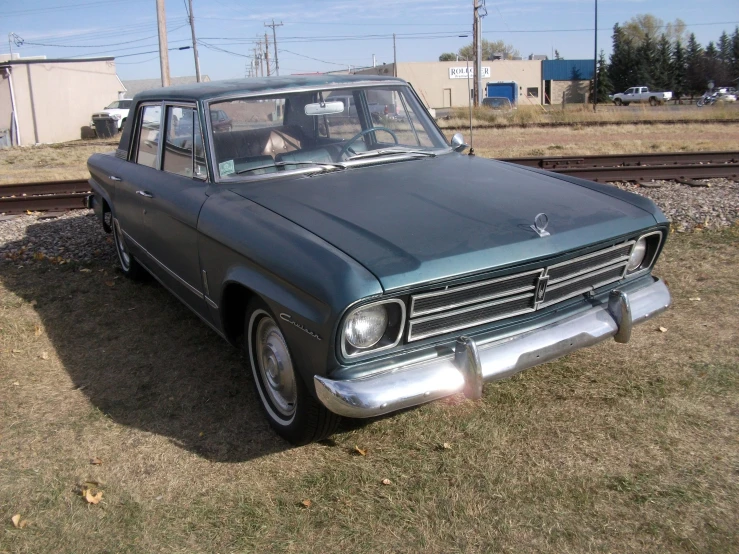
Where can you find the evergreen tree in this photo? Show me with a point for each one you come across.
(734, 63)
(679, 78)
(622, 69)
(662, 75)
(724, 48)
(712, 69)
(646, 62)
(557, 56)
(695, 80)
(604, 83)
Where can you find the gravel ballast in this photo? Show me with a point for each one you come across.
(78, 237)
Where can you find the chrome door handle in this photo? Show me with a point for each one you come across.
(144, 194)
(114, 178)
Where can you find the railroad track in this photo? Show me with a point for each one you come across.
(68, 195)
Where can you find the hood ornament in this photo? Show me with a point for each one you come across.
(540, 225)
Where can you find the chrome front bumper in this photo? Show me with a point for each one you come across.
(472, 364)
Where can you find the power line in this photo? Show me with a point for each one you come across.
(68, 7)
(310, 58)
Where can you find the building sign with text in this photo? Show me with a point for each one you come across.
(461, 72)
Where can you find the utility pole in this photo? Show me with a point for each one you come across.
(163, 52)
(395, 58)
(261, 58)
(274, 43)
(194, 42)
(477, 47)
(266, 52)
(595, 62)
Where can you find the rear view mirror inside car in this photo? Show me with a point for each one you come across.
(324, 108)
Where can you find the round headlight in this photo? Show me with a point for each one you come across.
(365, 327)
(637, 256)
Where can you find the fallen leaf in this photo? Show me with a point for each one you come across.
(694, 299)
(37, 330)
(85, 270)
(360, 451)
(92, 498)
(446, 446)
(44, 355)
(16, 351)
(307, 503)
(16, 519)
(110, 283)
(95, 461)
(23, 523)
(386, 481)
(16, 383)
(663, 329)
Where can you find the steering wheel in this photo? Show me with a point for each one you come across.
(359, 135)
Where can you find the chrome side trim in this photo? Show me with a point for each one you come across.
(399, 387)
(211, 303)
(453, 289)
(192, 289)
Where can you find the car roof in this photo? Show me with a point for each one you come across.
(216, 89)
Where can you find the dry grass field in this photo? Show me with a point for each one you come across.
(578, 113)
(115, 387)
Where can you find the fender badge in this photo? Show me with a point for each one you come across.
(288, 318)
(540, 225)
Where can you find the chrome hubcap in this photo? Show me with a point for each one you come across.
(120, 246)
(275, 367)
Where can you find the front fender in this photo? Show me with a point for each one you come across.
(292, 270)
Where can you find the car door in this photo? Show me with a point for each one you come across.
(132, 176)
(629, 95)
(173, 201)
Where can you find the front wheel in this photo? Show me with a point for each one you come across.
(617, 101)
(292, 411)
(653, 102)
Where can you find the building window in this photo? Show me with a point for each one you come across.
(532, 92)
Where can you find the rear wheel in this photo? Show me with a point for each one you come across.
(129, 266)
(618, 102)
(292, 411)
(653, 101)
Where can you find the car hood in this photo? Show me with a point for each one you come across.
(438, 218)
(113, 111)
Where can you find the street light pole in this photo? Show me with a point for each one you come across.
(595, 62)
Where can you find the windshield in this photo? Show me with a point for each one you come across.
(292, 131)
(119, 105)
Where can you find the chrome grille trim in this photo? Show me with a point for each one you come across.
(476, 307)
(623, 258)
(453, 290)
(608, 266)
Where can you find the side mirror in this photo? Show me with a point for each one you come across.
(458, 144)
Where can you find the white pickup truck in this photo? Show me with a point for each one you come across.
(640, 94)
(118, 110)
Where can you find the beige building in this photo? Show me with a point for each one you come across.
(44, 101)
(445, 84)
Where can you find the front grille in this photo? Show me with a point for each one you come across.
(460, 307)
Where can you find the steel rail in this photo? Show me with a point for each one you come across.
(68, 195)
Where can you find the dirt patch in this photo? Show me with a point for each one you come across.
(618, 448)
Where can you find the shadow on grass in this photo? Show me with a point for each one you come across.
(142, 358)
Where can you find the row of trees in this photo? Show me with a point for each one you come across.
(667, 60)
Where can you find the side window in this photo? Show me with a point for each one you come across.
(179, 143)
(148, 146)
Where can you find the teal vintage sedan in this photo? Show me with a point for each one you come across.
(363, 262)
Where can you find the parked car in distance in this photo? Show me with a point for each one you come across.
(220, 121)
(117, 110)
(366, 268)
(497, 103)
(640, 94)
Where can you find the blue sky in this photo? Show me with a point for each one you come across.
(323, 35)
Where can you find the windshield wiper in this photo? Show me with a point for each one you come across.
(386, 151)
(322, 165)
